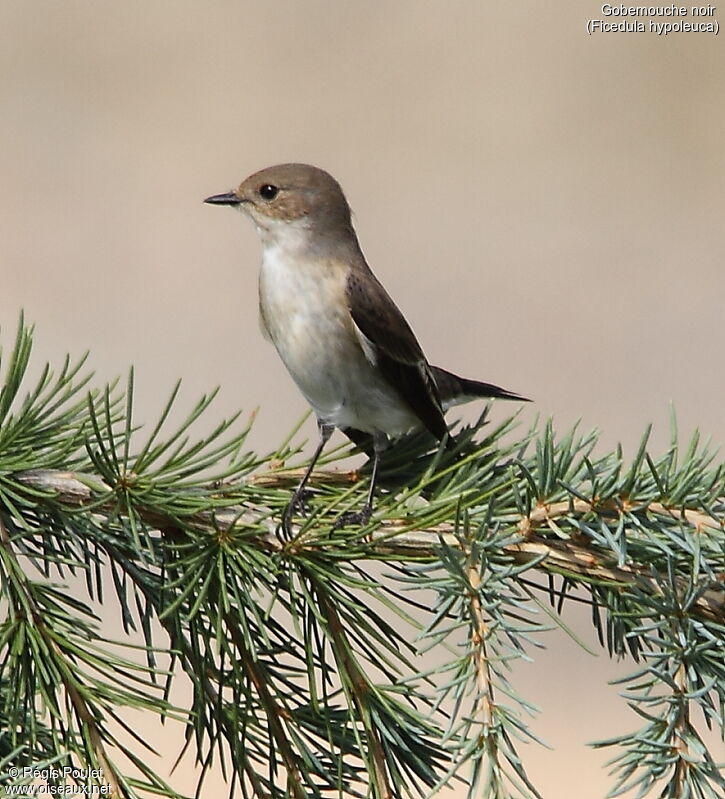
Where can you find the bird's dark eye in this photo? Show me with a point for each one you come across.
(268, 191)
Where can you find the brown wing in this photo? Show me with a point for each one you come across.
(391, 345)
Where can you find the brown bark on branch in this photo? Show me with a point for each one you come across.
(396, 536)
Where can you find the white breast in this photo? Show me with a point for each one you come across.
(303, 308)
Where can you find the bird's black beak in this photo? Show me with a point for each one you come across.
(223, 199)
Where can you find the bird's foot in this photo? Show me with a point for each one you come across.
(298, 503)
(360, 517)
(301, 501)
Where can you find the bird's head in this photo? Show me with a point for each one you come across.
(289, 194)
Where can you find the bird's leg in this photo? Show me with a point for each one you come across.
(380, 443)
(297, 500)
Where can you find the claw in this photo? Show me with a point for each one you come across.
(302, 504)
(299, 503)
(360, 517)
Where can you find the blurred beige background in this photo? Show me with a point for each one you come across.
(545, 206)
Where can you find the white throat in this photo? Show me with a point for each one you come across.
(291, 238)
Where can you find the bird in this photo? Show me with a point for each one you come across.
(341, 337)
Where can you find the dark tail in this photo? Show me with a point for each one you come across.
(454, 390)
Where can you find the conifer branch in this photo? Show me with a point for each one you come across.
(301, 683)
(396, 537)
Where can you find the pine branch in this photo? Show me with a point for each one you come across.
(400, 537)
(301, 684)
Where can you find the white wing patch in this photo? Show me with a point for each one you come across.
(368, 347)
